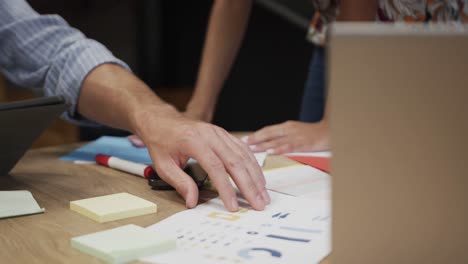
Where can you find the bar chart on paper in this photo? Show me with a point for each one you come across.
(289, 230)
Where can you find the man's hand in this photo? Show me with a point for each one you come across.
(174, 139)
(115, 97)
(290, 136)
(195, 113)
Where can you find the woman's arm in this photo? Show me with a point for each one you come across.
(226, 29)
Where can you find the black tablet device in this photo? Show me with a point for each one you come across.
(21, 123)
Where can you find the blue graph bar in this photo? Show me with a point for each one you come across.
(290, 238)
(298, 229)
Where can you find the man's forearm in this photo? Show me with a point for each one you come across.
(226, 29)
(45, 52)
(42, 52)
(113, 96)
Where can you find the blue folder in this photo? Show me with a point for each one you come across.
(119, 147)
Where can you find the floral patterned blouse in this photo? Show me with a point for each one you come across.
(391, 10)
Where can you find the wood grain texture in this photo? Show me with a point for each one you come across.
(45, 238)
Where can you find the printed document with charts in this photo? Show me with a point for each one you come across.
(289, 230)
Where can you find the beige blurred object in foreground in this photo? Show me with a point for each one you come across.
(399, 122)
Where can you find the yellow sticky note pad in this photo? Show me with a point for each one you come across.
(123, 244)
(113, 207)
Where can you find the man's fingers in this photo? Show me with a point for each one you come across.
(177, 178)
(253, 168)
(240, 166)
(218, 175)
(136, 141)
(265, 134)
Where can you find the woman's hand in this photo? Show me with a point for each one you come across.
(290, 136)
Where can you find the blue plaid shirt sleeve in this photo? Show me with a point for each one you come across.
(45, 54)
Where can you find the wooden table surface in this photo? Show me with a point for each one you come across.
(45, 238)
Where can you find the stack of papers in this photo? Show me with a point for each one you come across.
(113, 207)
(289, 230)
(123, 244)
(300, 180)
(16, 203)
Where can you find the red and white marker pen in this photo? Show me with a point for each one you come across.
(139, 169)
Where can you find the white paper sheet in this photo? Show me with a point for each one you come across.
(301, 180)
(16, 203)
(324, 154)
(260, 158)
(289, 230)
